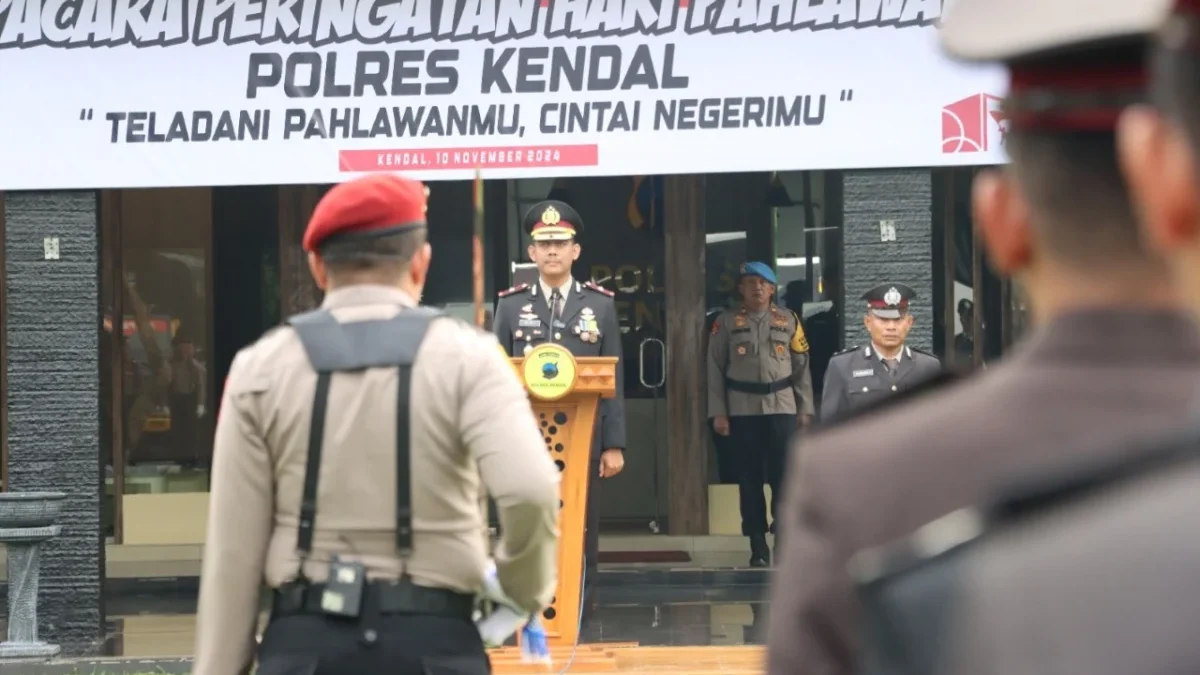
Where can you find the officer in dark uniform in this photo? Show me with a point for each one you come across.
(860, 376)
(580, 316)
(964, 342)
(759, 392)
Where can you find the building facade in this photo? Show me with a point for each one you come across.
(197, 273)
(151, 231)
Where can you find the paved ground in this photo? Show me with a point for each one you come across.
(647, 607)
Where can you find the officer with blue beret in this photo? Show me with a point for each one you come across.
(759, 393)
(863, 375)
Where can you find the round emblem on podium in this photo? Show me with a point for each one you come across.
(549, 372)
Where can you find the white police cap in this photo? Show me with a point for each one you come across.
(1010, 30)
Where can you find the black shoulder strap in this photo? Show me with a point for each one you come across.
(1138, 456)
(345, 347)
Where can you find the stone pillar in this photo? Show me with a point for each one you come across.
(903, 198)
(52, 335)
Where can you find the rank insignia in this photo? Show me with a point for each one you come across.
(892, 297)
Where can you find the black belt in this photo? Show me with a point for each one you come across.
(391, 597)
(760, 388)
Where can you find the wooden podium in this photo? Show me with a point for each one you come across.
(565, 393)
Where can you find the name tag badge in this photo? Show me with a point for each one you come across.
(869, 372)
(529, 323)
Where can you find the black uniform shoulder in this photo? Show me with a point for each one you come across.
(845, 352)
(1136, 458)
(593, 286)
(514, 290)
(925, 353)
(926, 386)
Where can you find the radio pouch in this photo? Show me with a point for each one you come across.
(344, 589)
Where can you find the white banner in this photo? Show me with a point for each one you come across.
(154, 93)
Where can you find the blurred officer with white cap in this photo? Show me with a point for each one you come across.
(1092, 569)
(1112, 351)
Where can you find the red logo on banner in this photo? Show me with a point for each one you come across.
(973, 124)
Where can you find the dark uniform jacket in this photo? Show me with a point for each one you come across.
(1080, 380)
(1104, 571)
(857, 378)
(523, 322)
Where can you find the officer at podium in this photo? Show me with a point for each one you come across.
(352, 447)
(580, 316)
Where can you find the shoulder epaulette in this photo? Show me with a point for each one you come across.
(596, 287)
(922, 351)
(515, 289)
(847, 350)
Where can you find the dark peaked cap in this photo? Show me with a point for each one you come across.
(552, 220)
(889, 301)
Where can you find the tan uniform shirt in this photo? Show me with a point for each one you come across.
(758, 347)
(472, 427)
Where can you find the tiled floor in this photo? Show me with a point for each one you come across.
(643, 608)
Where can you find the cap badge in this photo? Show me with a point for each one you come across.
(742, 269)
(892, 297)
(550, 216)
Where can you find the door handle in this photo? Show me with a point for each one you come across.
(642, 363)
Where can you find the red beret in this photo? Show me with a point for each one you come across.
(376, 204)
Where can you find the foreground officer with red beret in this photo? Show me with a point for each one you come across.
(353, 447)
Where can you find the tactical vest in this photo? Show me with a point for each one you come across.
(334, 347)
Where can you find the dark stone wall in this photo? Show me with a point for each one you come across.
(52, 334)
(906, 197)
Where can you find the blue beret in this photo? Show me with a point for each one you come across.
(759, 269)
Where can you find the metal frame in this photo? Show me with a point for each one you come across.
(947, 178)
(3, 356)
(111, 262)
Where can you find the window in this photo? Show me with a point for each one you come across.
(977, 314)
(170, 331)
